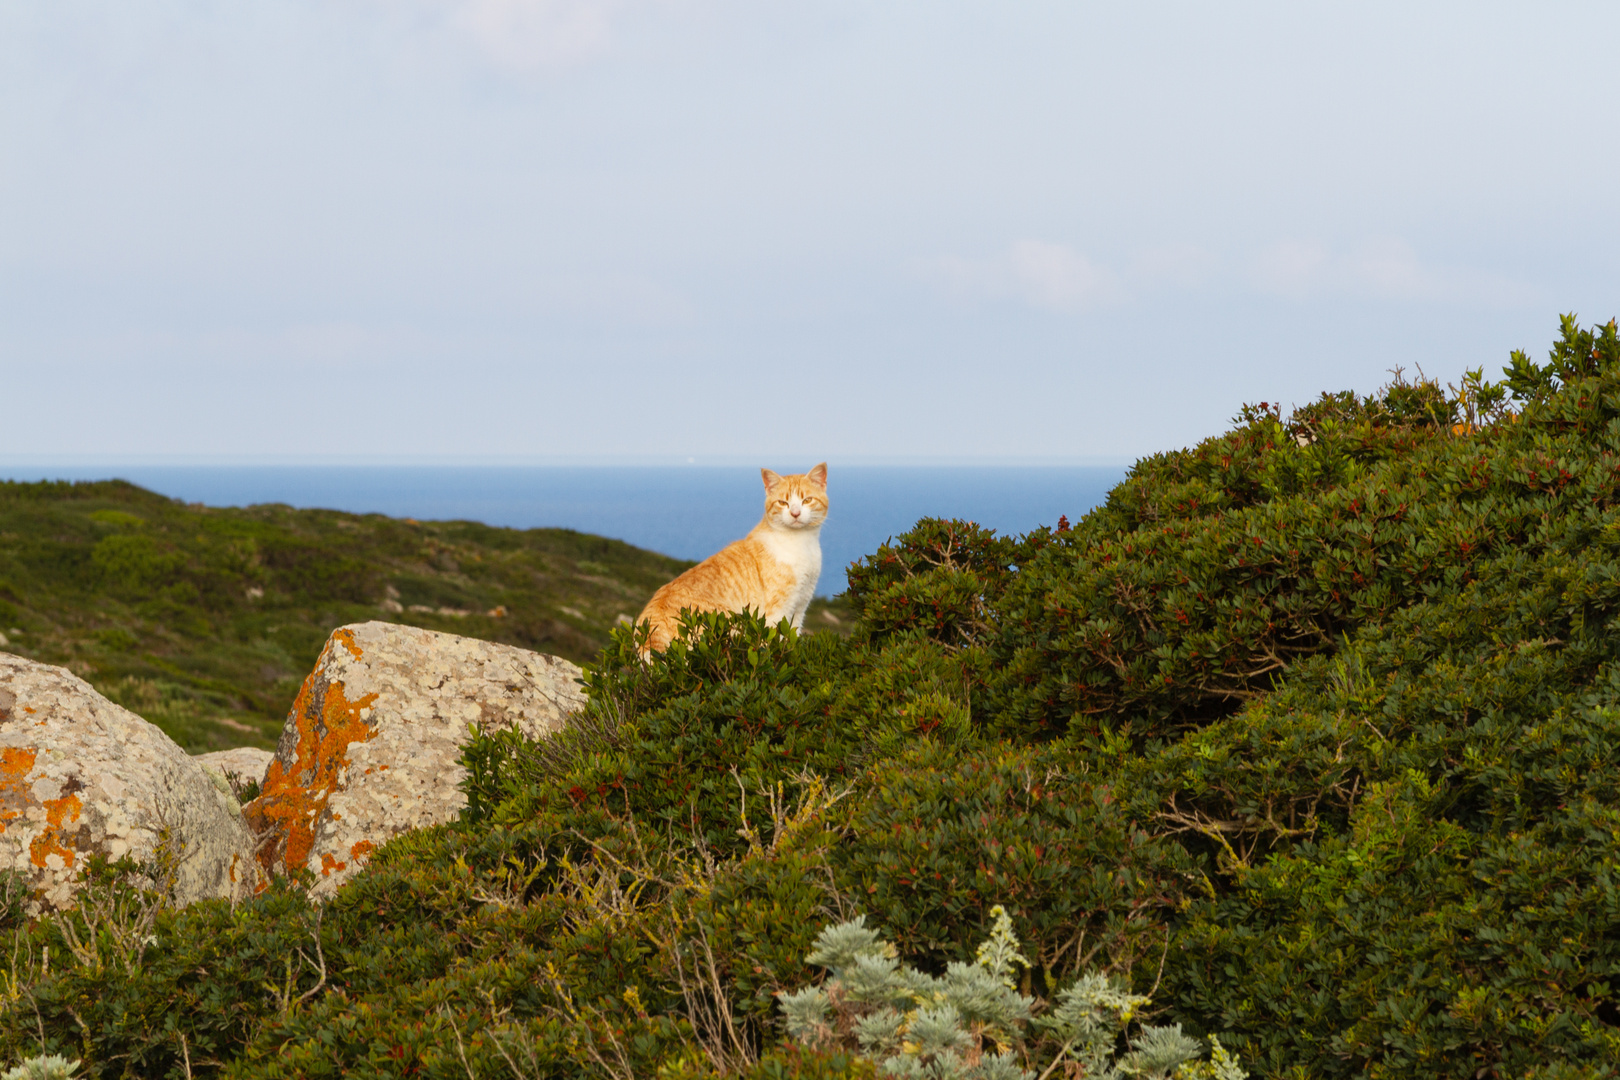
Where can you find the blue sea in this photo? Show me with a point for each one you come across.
(685, 511)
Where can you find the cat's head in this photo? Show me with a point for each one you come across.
(796, 502)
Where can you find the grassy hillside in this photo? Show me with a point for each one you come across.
(205, 620)
(1310, 734)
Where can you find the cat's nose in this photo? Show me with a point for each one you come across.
(794, 511)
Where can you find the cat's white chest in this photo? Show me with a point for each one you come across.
(799, 550)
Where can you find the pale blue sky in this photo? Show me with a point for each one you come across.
(550, 229)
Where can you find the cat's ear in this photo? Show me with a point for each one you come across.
(818, 475)
(770, 478)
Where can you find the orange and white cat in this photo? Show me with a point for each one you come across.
(772, 570)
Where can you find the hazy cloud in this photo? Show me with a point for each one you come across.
(520, 36)
(1182, 266)
(1291, 268)
(1055, 277)
(1388, 268)
(537, 33)
(1037, 272)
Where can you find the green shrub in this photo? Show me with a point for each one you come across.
(795, 1062)
(1211, 571)
(1577, 354)
(1412, 946)
(938, 836)
(13, 897)
(940, 579)
(682, 740)
(133, 562)
(1441, 893)
(758, 914)
(137, 1006)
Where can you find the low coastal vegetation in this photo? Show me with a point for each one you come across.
(1303, 750)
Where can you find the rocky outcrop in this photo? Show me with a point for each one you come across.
(372, 743)
(80, 776)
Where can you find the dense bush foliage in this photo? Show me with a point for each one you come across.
(1311, 733)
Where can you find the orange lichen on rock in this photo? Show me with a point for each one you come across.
(50, 839)
(360, 849)
(345, 637)
(293, 799)
(329, 864)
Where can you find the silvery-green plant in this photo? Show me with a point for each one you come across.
(47, 1067)
(973, 1024)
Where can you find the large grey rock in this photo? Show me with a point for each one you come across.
(372, 743)
(80, 776)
